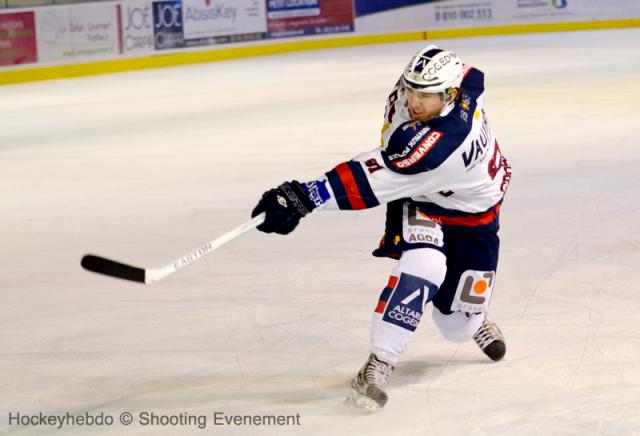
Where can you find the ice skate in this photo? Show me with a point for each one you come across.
(367, 388)
(490, 340)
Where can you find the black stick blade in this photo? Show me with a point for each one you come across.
(112, 268)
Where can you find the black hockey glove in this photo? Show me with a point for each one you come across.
(283, 206)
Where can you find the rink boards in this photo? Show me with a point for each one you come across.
(49, 42)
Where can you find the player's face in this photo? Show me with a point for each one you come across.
(423, 106)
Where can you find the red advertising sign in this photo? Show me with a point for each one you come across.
(17, 38)
(308, 17)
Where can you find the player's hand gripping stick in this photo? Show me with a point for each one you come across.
(283, 207)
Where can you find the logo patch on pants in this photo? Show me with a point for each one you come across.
(474, 291)
(418, 228)
(407, 302)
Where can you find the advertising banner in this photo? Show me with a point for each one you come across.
(76, 32)
(135, 27)
(366, 7)
(408, 15)
(293, 9)
(309, 17)
(451, 14)
(17, 38)
(167, 25)
(443, 14)
(218, 20)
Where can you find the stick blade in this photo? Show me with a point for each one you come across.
(112, 268)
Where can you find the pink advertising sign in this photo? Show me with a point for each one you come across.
(17, 39)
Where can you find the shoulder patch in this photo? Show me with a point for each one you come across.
(410, 144)
(419, 149)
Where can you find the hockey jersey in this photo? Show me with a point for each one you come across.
(450, 165)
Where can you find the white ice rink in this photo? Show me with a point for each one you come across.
(144, 166)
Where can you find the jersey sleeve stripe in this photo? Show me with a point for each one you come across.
(338, 189)
(351, 187)
(362, 182)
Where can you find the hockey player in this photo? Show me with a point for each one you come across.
(443, 177)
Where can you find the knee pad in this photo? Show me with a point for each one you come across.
(413, 283)
(425, 263)
(458, 326)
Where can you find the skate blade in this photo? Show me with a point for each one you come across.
(361, 402)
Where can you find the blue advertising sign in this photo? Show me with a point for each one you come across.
(277, 9)
(167, 24)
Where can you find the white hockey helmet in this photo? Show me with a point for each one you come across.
(433, 70)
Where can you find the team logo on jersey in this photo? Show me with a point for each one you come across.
(474, 291)
(421, 150)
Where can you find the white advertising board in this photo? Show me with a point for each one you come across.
(135, 29)
(77, 32)
(212, 18)
(452, 14)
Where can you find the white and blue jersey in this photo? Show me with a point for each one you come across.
(450, 166)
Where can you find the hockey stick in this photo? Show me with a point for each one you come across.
(147, 276)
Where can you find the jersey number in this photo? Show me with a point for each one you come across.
(496, 163)
(373, 165)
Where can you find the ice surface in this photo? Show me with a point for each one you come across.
(145, 166)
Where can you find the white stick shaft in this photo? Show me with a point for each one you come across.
(156, 274)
